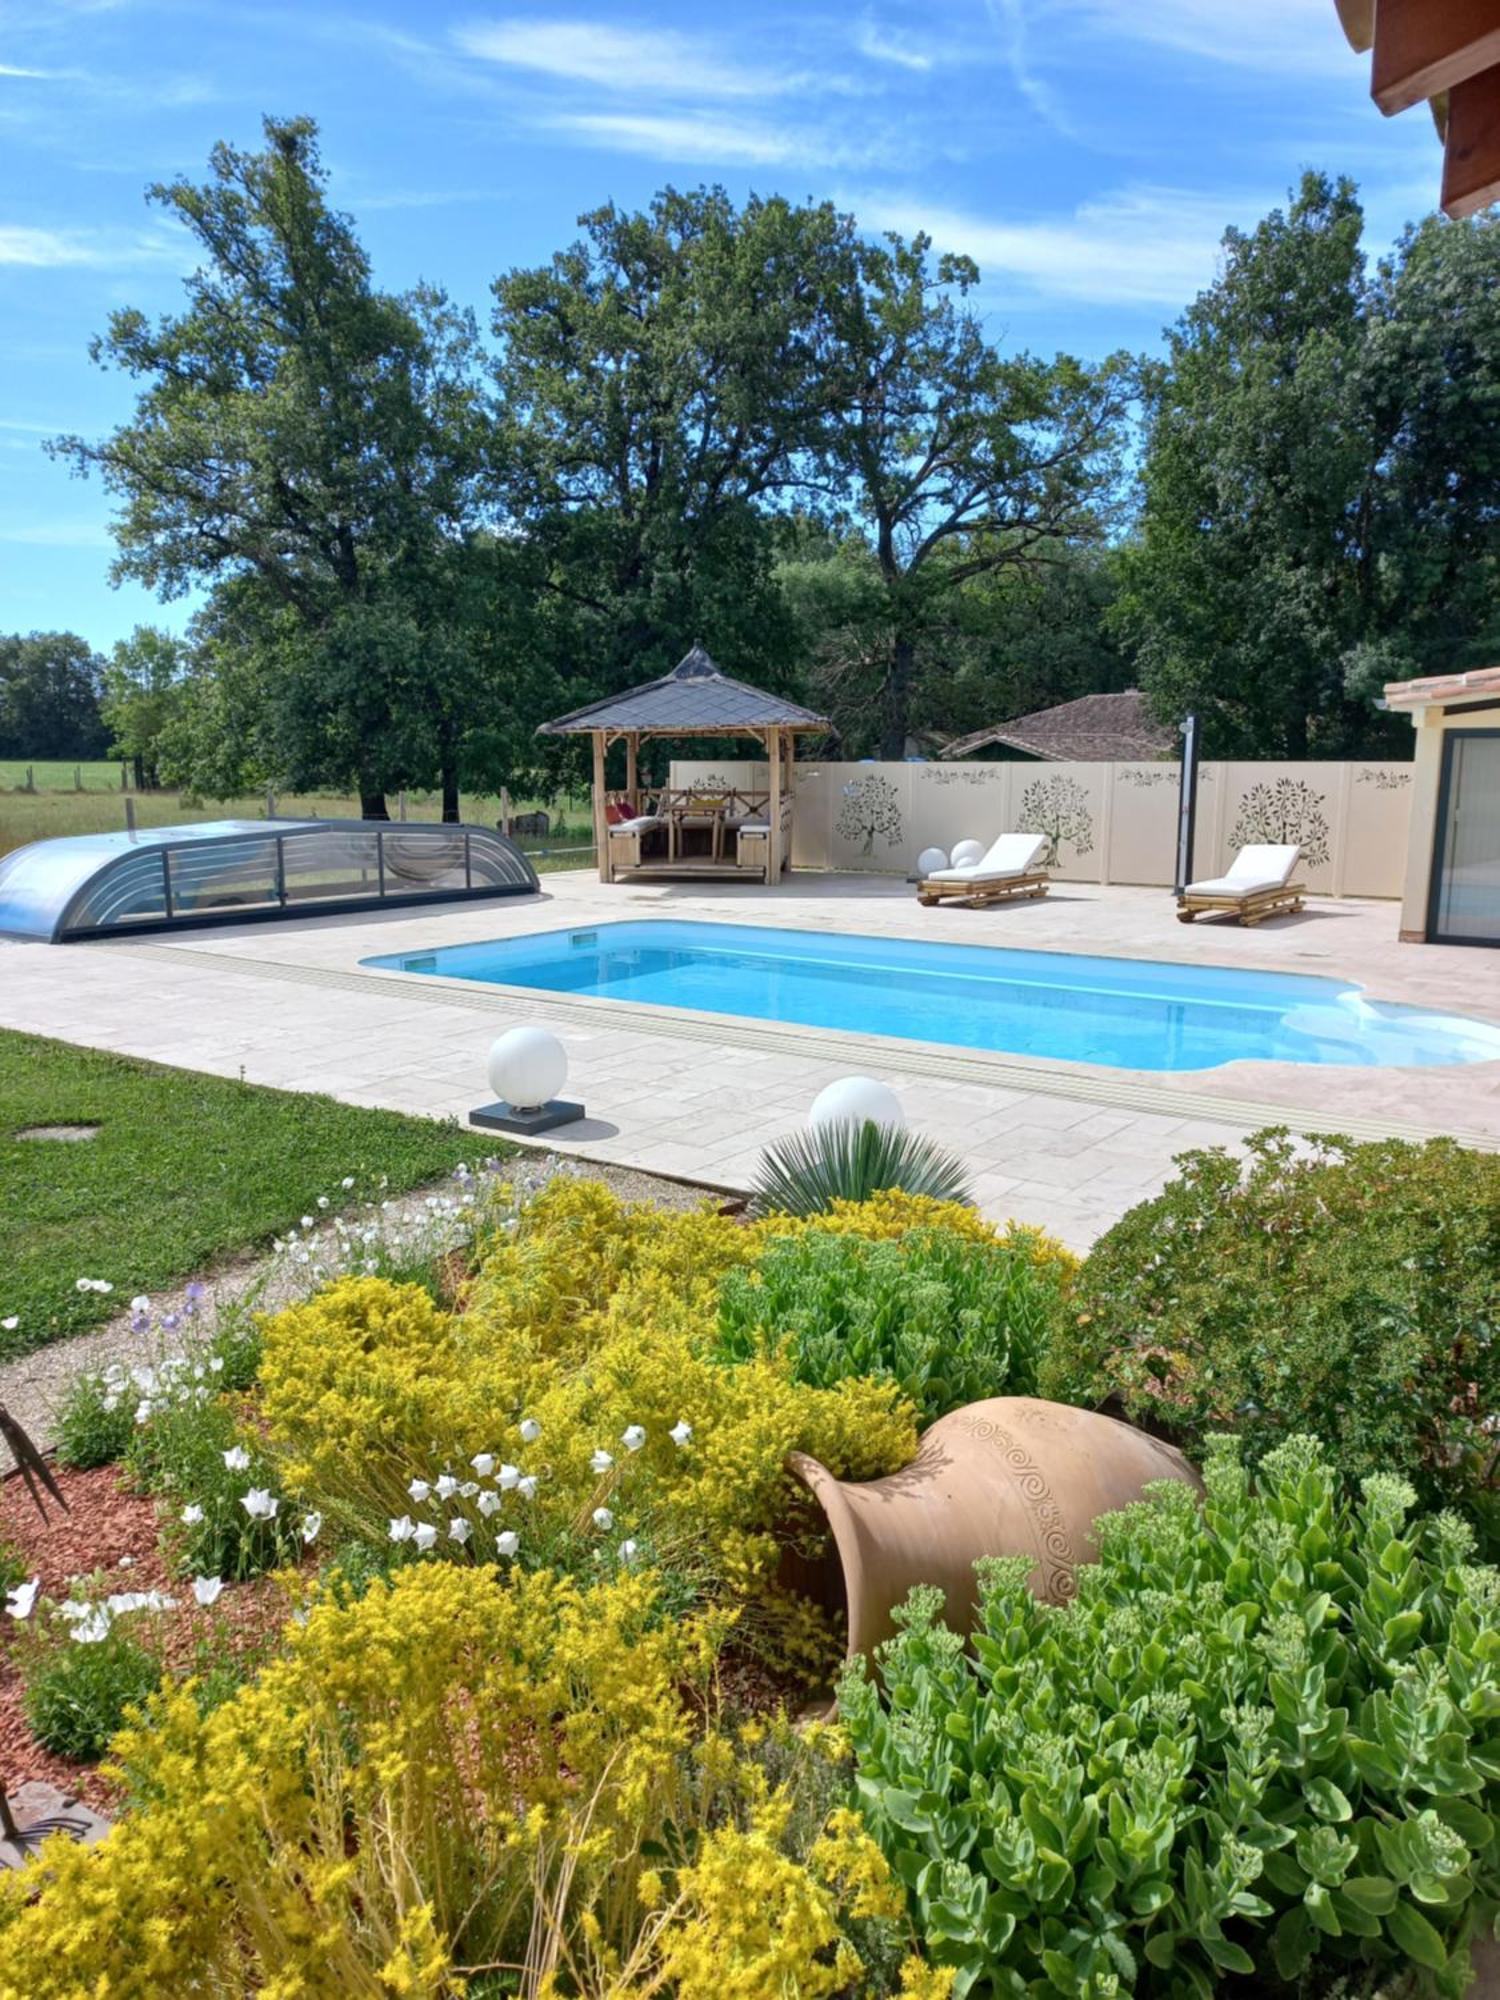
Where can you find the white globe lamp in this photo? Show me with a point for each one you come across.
(967, 852)
(930, 860)
(527, 1068)
(857, 1100)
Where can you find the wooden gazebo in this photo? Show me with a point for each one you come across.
(726, 832)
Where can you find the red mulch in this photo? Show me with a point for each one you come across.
(112, 1530)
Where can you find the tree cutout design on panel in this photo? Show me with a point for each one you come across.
(1283, 812)
(1059, 808)
(871, 810)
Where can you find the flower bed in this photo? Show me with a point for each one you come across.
(525, 1728)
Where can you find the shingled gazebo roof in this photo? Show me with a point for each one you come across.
(695, 699)
(1095, 729)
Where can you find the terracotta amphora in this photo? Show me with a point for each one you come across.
(1009, 1476)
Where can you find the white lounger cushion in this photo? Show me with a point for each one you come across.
(641, 825)
(1254, 870)
(1011, 854)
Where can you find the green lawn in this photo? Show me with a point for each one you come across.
(56, 808)
(185, 1169)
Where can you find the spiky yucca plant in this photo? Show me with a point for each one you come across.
(808, 1172)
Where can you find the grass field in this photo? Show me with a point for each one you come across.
(56, 807)
(184, 1170)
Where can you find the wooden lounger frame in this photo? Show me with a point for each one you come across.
(1000, 890)
(1249, 910)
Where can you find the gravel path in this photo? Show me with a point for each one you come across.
(33, 1386)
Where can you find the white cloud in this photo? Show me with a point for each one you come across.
(1010, 19)
(880, 45)
(37, 75)
(618, 59)
(1141, 246)
(54, 249)
(690, 137)
(1273, 35)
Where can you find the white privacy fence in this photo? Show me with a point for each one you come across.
(1105, 822)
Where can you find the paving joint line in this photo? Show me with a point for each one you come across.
(911, 1058)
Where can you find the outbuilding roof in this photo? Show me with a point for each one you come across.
(1437, 690)
(1095, 729)
(695, 699)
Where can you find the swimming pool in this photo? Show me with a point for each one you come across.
(1130, 1013)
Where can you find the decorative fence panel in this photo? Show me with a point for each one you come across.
(1103, 822)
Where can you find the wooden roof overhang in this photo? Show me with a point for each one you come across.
(1446, 52)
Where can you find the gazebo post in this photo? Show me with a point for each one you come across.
(601, 817)
(632, 742)
(773, 810)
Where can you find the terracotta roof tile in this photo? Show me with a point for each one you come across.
(1095, 729)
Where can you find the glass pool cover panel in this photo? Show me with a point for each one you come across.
(94, 885)
(1127, 1013)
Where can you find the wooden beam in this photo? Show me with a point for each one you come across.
(1471, 157)
(632, 742)
(1426, 46)
(773, 808)
(601, 820)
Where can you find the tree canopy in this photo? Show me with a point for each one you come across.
(755, 426)
(49, 696)
(1319, 485)
(314, 444)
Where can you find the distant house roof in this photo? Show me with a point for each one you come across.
(1437, 690)
(1095, 729)
(695, 699)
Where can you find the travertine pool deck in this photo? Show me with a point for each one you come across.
(1066, 1145)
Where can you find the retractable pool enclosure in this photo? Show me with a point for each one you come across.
(226, 871)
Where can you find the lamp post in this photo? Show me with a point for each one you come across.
(1187, 804)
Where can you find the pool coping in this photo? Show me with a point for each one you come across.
(1091, 1083)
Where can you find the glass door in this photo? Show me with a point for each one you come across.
(1466, 868)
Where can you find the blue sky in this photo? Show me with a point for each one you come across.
(1088, 153)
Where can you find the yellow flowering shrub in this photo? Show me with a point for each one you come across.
(369, 1385)
(393, 1800)
(457, 1772)
(889, 1216)
(577, 1245)
(757, 1924)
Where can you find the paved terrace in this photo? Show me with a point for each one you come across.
(1068, 1146)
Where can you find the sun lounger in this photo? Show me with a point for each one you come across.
(1010, 868)
(1259, 884)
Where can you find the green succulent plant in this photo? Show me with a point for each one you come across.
(808, 1172)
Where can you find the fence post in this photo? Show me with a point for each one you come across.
(124, 787)
(129, 814)
(401, 803)
(505, 810)
(78, 777)
(270, 803)
(31, 777)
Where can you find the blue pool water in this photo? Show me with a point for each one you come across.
(1127, 1012)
